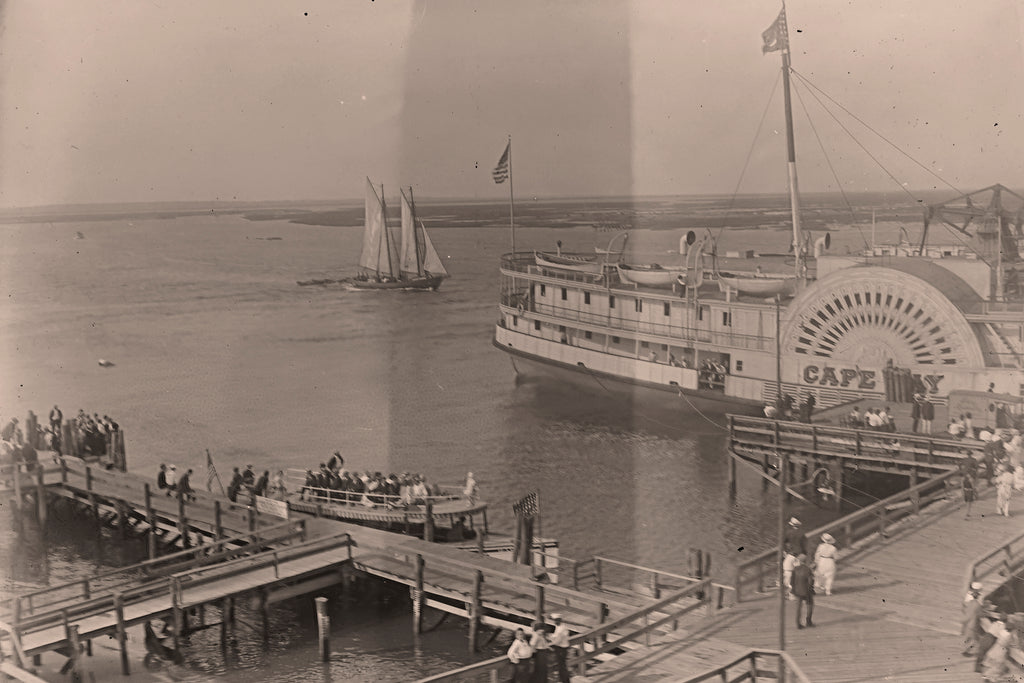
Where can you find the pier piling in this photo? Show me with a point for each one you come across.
(323, 627)
(417, 598)
(182, 522)
(75, 654)
(40, 498)
(474, 611)
(122, 636)
(151, 521)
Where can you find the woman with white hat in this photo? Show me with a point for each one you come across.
(825, 563)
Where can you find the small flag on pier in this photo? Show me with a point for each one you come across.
(211, 472)
(500, 172)
(527, 506)
(776, 36)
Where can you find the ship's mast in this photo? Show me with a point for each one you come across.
(794, 190)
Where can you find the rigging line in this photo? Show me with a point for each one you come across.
(597, 379)
(858, 142)
(887, 140)
(750, 153)
(853, 218)
(697, 410)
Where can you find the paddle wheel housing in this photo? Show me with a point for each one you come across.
(868, 316)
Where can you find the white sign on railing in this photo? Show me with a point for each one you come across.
(269, 506)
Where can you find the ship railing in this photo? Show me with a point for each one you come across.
(852, 532)
(318, 494)
(596, 642)
(667, 331)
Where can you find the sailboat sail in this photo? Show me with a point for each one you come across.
(379, 253)
(412, 247)
(431, 261)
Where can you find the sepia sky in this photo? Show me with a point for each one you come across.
(120, 100)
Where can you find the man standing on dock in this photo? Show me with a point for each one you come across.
(560, 645)
(56, 418)
(803, 589)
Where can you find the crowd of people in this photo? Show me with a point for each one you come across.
(786, 408)
(22, 440)
(1001, 465)
(530, 653)
(245, 485)
(989, 635)
(334, 483)
(804, 575)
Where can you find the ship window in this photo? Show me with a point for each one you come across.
(727, 318)
(664, 347)
(611, 302)
(643, 345)
(700, 312)
(565, 294)
(668, 308)
(739, 366)
(536, 324)
(543, 290)
(615, 340)
(586, 298)
(639, 305)
(588, 334)
(515, 321)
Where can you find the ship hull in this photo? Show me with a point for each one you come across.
(430, 282)
(682, 391)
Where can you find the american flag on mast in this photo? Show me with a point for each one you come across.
(211, 473)
(500, 172)
(776, 36)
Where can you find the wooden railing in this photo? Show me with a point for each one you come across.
(753, 666)
(754, 436)
(112, 581)
(174, 584)
(874, 519)
(587, 647)
(1005, 560)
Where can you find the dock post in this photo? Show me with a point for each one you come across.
(915, 497)
(323, 628)
(40, 497)
(485, 522)
(227, 618)
(76, 653)
(839, 485)
(428, 525)
(92, 496)
(417, 598)
(182, 522)
(265, 612)
(122, 519)
(474, 611)
(540, 604)
(122, 636)
(218, 525)
(732, 477)
(17, 486)
(151, 520)
(179, 617)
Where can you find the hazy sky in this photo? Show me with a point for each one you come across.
(107, 100)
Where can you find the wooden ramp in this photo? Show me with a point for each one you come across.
(275, 569)
(894, 614)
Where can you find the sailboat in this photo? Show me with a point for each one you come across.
(412, 264)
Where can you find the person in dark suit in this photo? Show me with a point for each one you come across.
(261, 484)
(803, 589)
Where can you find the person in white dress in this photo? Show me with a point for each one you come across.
(825, 563)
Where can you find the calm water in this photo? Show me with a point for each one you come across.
(215, 347)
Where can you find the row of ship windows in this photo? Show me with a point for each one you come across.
(587, 334)
(638, 305)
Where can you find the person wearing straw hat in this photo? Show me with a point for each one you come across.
(970, 628)
(825, 563)
(794, 543)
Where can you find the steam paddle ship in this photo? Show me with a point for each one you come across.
(886, 323)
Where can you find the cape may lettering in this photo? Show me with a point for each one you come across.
(839, 377)
(843, 377)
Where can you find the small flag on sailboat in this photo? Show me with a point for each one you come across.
(500, 172)
(776, 36)
(527, 506)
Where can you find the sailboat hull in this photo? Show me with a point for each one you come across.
(427, 282)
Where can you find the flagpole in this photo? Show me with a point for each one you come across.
(511, 198)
